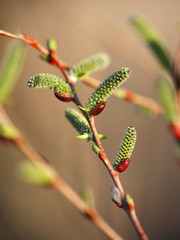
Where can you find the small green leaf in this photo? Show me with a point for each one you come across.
(8, 131)
(45, 80)
(51, 44)
(96, 149)
(87, 196)
(33, 174)
(129, 201)
(105, 89)
(90, 65)
(126, 147)
(10, 70)
(153, 39)
(167, 96)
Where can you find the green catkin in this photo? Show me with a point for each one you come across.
(90, 65)
(155, 41)
(126, 147)
(167, 96)
(52, 82)
(78, 121)
(105, 89)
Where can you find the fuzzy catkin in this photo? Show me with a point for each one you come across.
(45, 80)
(126, 147)
(78, 121)
(105, 89)
(90, 65)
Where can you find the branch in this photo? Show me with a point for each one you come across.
(132, 97)
(33, 156)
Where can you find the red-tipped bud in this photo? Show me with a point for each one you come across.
(65, 97)
(129, 202)
(129, 95)
(30, 40)
(122, 167)
(98, 109)
(52, 56)
(175, 129)
(102, 156)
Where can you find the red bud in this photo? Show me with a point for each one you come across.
(98, 109)
(102, 156)
(30, 40)
(65, 97)
(122, 167)
(175, 129)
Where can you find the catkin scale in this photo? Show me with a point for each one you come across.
(98, 109)
(122, 167)
(65, 97)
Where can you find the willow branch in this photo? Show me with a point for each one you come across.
(132, 97)
(28, 150)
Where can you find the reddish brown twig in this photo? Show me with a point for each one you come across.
(27, 149)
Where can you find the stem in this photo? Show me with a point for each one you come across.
(114, 175)
(137, 225)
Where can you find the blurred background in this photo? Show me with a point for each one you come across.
(84, 28)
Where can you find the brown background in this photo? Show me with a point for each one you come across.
(83, 28)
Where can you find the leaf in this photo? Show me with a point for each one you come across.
(11, 69)
(87, 196)
(29, 172)
(8, 131)
(153, 39)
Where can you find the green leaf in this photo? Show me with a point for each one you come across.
(33, 174)
(51, 44)
(126, 147)
(90, 65)
(96, 149)
(153, 39)
(8, 131)
(87, 196)
(46, 80)
(167, 96)
(10, 70)
(105, 89)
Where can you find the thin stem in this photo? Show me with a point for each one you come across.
(137, 225)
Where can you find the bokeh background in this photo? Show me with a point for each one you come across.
(83, 28)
